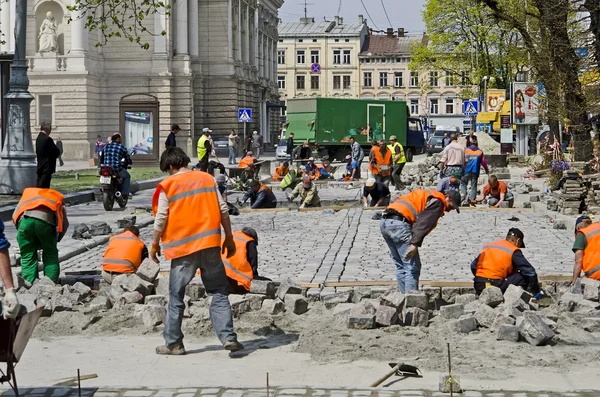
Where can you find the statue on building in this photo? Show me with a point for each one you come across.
(48, 36)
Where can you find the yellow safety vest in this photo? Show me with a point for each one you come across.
(201, 147)
(391, 148)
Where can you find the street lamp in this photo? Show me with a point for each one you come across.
(485, 81)
(18, 160)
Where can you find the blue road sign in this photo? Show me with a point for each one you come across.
(470, 108)
(315, 68)
(244, 115)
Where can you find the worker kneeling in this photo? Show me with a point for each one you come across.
(260, 195)
(501, 263)
(124, 254)
(242, 267)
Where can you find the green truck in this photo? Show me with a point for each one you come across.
(328, 123)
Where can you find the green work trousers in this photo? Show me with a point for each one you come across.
(32, 235)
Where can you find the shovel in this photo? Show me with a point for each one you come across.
(400, 369)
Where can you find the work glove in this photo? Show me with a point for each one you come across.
(229, 246)
(155, 253)
(10, 306)
(539, 296)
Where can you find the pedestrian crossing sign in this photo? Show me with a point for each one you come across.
(244, 115)
(470, 108)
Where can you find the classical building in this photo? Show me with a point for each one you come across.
(217, 56)
(319, 58)
(385, 74)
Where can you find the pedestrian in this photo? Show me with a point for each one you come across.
(289, 149)
(358, 154)
(501, 263)
(469, 137)
(445, 140)
(204, 150)
(41, 221)
(171, 142)
(379, 192)
(10, 303)
(398, 161)
(47, 154)
(404, 225)
(233, 142)
(189, 213)
(453, 157)
(248, 144)
(307, 191)
(124, 254)
(474, 160)
(99, 146)
(498, 193)
(257, 142)
(586, 249)
(381, 162)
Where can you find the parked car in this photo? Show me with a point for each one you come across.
(435, 143)
(281, 150)
(221, 143)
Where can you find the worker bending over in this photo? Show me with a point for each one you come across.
(242, 268)
(124, 254)
(307, 191)
(498, 193)
(246, 161)
(380, 194)
(281, 171)
(260, 195)
(586, 249)
(351, 170)
(501, 263)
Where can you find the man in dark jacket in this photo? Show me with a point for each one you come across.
(171, 142)
(47, 153)
(289, 149)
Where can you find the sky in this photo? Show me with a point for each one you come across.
(402, 13)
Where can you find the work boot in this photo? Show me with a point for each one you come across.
(233, 345)
(177, 350)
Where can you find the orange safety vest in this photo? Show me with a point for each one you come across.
(279, 173)
(34, 197)
(591, 254)
(237, 267)
(264, 187)
(382, 166)
(194, 220)
(123, 254)
(495, 261)
(246, 161)
(415, 202)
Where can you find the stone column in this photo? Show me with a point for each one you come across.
(6, 26)
(79, 37)
(181, 26)
(246, 43)
(193, 28)
(160, 24)
(255, 44)
(238, 38)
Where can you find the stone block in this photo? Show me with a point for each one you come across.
(361, 293)
(534, 198)
(239, 305)
(471, 308)
(374, 302)
(28, 301)
(569, 301)
(133, 283)
(343, 309)
(393, 298)
(446, 383)
(416, 299)
(273, 306)
(386, 316)
(465, 299)
(509, 310)
(129, 298)
(515, 293)
(449, 294)
(256, 301)
(559, 224)
(362, 316)
(591, 324)
(591, 289)
(153, 315)
(62, 303)
(161, 285)
(195, 290)
(501, 319)
(534, 329)
(199, 313)
(81, 290)
(485, 316)
(98, 304)
(508, 332)
(296, 303)
(463, 325)
(331, 300)
(288, 286)
(415, 317)
(81, 231)
(148, 270)
(491, 296)
(452, 312)
(99, 228)
(156, 300)
(526, 204)
(126, 222)
(263, 287)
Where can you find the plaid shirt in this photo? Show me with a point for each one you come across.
(113, 153)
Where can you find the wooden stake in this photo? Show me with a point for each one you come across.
(267, 384)
(450, 372)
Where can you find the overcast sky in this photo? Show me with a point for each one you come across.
(402, 13)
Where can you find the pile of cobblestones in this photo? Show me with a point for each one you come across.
(424, 174)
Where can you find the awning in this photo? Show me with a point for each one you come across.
(486, 117)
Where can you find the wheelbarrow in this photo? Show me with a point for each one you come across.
(14, 335)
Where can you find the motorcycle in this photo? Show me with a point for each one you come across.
(111, 186)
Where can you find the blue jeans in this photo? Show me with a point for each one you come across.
(232, 155)
(126, 184)
(397, 234)
(508, 197)
(463, 186)
(215, 281)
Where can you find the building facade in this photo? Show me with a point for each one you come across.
(319, 58)
(385, 74)
(216, 56)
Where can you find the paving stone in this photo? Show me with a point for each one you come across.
(343, 309)
(81, 290)
(98, 304)
(256, 301)
(148, 270)
(128, 298)
(464, 324)
(465, 299)
(153, 315)
(591, 289)
(239, 305)
(62, 303)
(133, 282)
(534, 330)
(288, 286)
(485, 316)
(508, 332)
(515, 293)
(416, 317)
(393, 298)
(591, 324)
(471, 308)
(386, 316)
(332, 300)
(416, 299)
(273, 306)
(161, 285)
(501, 319)
(263, 287)
(491, 296)
(296, 304)
(99, 229)
(361, 293)
(451, 312)
(28, 301)
(362, 316)
(509, 310)
(157, 300)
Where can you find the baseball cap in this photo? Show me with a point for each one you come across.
(581, 219)
(306, 181)
(311, 159)
(370, 182)
(348, 157)
(455, 197)
(249, 154)
(205, 130)
(393, 138)
(518, 234)
(175, 127)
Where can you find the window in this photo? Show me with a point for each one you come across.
(449, 106)
(300, 40)
(300, 82)
(434, 80)
(346, 57)
(347, 40)
(414, 79)
(337, 82)
(300, 57)
(281, 57)
(314, 82)
(414, 106)
(314, 40)
(314, 56)
(346, 82)
(398, 79)
(464, 78)
(368, 79)
(44, 105)
(337, 57)
(434, 106)
(449, 79)
(383, 79)
(281, 82)
(337, 40)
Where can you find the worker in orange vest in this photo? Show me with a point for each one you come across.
(41, 221)
(246, 161)
(501, 263)
(381, 162)
(242, 268)
(260, 196)
(281, 171)
(587, 249)
(188, 215)
(124, 254)
(404, 225)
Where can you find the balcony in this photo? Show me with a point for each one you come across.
(56, 63)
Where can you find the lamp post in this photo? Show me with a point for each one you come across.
(485, 82)
(18, 160)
